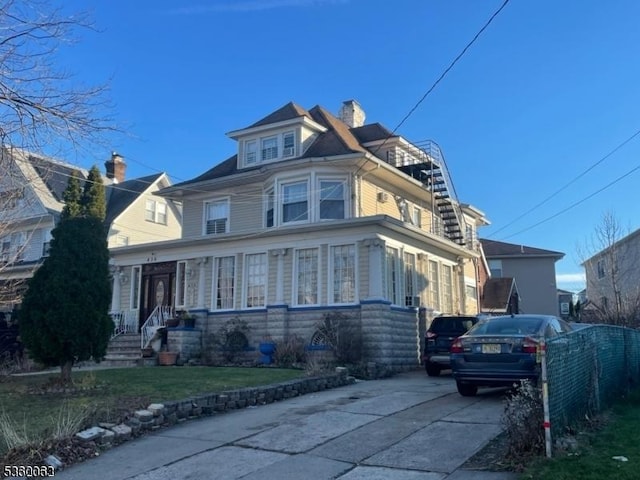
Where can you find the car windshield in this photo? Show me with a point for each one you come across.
(451, 324)
(507, 326)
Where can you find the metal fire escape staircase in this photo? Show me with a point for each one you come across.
(430, 168)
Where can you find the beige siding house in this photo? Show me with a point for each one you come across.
(31, 188)
(314, 214)
(613, 283)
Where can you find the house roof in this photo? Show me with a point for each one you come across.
(119, 196)
(338, 139)
(495, 249)
(496, 293)
(56, 175)
(287, 112)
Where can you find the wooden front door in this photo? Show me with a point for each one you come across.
(158, 281)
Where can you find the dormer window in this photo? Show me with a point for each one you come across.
(250, 152)
(288, 144)
(269, 148)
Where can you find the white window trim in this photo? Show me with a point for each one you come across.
(319, 178)
(205, 205)
(294, 282)
(181, 287)
(331, 270)
(281, 153)
(398, 274)
(245, 280)
(134, 303)
(214, 283)
(280, 200)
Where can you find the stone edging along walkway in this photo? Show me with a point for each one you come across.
(159, 415)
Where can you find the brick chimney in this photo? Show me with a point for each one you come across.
(116, 168)
(352, 113)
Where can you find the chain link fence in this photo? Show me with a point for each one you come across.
(587, 370)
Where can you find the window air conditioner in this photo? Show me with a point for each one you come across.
(287, 152)
(383, 197)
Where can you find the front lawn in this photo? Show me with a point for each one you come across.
(611, 452)
(33, 411)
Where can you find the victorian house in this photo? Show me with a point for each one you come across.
(313, 214)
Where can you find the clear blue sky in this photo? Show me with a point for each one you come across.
(548, 90)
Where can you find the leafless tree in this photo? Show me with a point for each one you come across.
(43, 109)
(612, 260)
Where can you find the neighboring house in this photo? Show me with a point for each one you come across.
(534, 272)
(31, 188)
(613, 282)
(315, 214)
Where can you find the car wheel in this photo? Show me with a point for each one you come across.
(432, 370)
(466, 390)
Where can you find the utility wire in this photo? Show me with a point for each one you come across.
(538, 205)
(575, 204)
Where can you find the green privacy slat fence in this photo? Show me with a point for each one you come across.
(589, 369)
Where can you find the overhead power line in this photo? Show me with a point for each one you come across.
(575, 204)
(561, 189)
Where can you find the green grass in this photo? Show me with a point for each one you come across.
(593, 460)
(118, 391)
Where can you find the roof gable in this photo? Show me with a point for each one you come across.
(121, 195)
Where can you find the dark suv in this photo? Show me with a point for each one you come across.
(438, 338)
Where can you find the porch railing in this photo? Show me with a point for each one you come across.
(156, 320)
(124, 321)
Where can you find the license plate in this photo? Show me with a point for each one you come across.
(491, 348)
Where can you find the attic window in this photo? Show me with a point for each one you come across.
(269, 148)
(288, 144)
(250, 152)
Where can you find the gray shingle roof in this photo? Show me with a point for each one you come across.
(120, 195)
(494, 249)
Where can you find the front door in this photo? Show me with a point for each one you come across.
(158, 282)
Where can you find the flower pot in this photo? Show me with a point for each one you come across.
(267, 349)
(167, 358)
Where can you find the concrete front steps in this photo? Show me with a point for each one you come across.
(124, 351)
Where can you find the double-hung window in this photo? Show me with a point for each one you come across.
(181, 283)
(269, 146)
(155, 212)
(331, 199)
(288, 144)
(307, 276)
(343, 259)
(447, 288)
(256, 274)
(250, 152)
(601, 269)
(223, 282)
(434, 287)
(295, 202)
(410, 299)
(392, 275)
(216, 217)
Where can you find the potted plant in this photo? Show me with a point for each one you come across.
(267, 347)
(188, 320)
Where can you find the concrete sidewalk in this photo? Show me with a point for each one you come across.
(407, 427)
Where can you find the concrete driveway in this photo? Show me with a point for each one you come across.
(407, 427)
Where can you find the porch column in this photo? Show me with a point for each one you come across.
(279, 254)
(202, 262)
(375, 268)
(115, 297)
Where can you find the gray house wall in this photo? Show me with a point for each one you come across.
(536, 280)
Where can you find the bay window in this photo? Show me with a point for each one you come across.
(256, 278)
(223, 282)
(295, 202)
(331, 199)
(307, 276)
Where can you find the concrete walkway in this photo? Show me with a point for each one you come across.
(408, 427)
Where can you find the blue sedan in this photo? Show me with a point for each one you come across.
(500, 351)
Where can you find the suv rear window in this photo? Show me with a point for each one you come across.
(457, 325)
